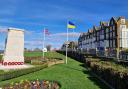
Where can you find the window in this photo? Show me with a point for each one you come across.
(113, 43)
(97, 33)
(120, 43)
(113, 28)
(110, 28)
(127, 35)
(106, 36)
(106, 30)
(123, 42)
(110, 43)
(122, 21)
(103, 32)
(113, 34)
(112, 22)
(123, 34)
(120, 34)
(123, 26)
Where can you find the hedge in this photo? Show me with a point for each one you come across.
(77, 56)
(28, 59)
(20, 72)
(114, 74)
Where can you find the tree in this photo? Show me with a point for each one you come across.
(72, 45)
(48, 47)
(25, 49)
(37, 49)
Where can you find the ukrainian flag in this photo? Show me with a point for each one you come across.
(71, 25)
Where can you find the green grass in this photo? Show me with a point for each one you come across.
(0, 57)
(33, 54)
(71, 76)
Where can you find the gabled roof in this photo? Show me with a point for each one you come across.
(115, 18)
(96, 28)
(82, 34)
(105, 23)
(118, 18)
(90, 30)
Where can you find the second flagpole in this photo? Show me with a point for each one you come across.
(67, 45)
(43, 43)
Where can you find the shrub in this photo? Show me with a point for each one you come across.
(20, 72)
(116, 75)
(28, 59)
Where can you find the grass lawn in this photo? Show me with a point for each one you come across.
(0, 57)
(71, 76)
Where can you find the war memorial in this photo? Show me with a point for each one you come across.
(13, 57)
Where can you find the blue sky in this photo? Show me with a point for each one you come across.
(34, 15)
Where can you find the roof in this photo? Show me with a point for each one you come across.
(105, 23)
(96, 27)
(66, 42)
(117, 18)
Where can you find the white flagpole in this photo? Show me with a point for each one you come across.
(43, 42)
(67, 44)
(73, 40)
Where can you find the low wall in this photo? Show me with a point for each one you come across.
(55, 62)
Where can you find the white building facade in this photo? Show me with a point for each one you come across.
(107, 37)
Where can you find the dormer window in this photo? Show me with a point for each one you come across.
(122, 21)
(107, 30)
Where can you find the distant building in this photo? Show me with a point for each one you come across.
(106, 37)
(72, 46)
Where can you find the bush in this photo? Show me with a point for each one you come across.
(37, 62)
(17, 73)
(28, 59)
(115, 75)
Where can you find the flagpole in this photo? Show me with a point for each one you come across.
(67, 44)
(43, 42)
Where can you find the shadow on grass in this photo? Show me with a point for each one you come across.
(98, 82)
(94, 79)
(91, 77)
(68, 67)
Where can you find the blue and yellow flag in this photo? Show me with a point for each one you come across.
(71, 25)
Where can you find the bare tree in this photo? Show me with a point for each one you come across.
(37, 49)
(48, 47)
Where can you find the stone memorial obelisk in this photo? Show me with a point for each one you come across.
(14, 46)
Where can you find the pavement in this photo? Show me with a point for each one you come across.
(10, 67)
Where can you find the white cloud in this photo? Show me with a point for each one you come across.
(2, 46)
(3, 29)
(33, 43)
(71, 34)
(29, 32)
